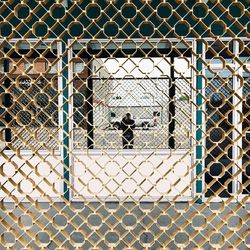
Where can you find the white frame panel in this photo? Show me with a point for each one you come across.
(60, 122)
(75, 153)
(238, 126)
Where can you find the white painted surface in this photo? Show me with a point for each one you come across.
(129, 175)
(31, 176)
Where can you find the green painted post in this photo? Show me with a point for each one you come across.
(199, 131)
(65, 119)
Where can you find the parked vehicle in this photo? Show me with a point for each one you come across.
(114, 121)
(141, 122)
(144, 122)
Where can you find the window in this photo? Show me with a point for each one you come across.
(155, 90)
(227, 122)
(30, 99)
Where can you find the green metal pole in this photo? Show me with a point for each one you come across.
(199, 130)
(65, 119)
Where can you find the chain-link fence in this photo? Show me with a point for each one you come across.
(147, 100)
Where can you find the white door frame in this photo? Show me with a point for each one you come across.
(74, 154)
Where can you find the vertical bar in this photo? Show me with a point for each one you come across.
(237, 104)
(171, 106)
(193, 112)
(7, 101)
(60, 97)
(70, 111)
(65, 118)
(60, 101)
(199, 120)
(89, 109)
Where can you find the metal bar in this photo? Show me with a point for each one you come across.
(132, 78)
(89, 110)
(199, 121)
(60, 101)
(7, 101)
(65, 120)
(236, 120)
(171, 106)
(117, 40)
(71, 117)
(193, 117)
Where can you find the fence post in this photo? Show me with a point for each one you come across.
(65, 117)
(7, 102)
(199, 120)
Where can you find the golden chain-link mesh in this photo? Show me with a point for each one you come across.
(75, 174)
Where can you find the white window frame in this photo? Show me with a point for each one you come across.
(75, 153)
(42, 152)
(236, 122)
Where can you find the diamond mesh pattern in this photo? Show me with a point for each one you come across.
(176, 175)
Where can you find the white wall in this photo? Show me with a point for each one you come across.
(132, 176)
(37, 176)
